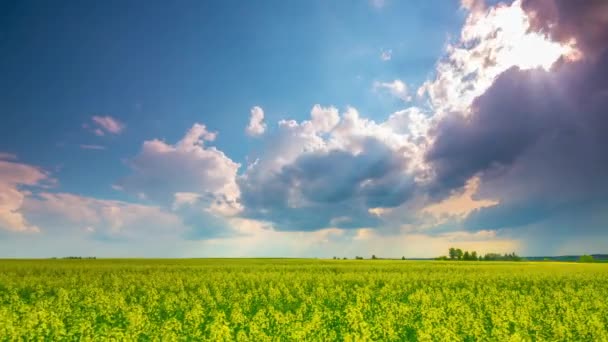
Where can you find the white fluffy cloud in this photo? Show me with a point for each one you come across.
(256, 126)
(13, 176)
(161, 170)
(396, 88)
(331, 169)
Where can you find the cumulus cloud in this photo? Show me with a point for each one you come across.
(330, 170)
(13, 176)
(397, 88)
(102, 125)
(198, 182)
(161, 170)
(256, 126)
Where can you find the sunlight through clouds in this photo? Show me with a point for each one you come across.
(492, 41)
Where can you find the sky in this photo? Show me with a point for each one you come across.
(303, 129)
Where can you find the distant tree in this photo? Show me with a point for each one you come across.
(402, 258)
(499, 257)
(335, 258)
(459, 254)
(359, 257)
(586, 258)
(474, 255)
(443, 257)
(452, 253)
(374, 257)
(466, 255)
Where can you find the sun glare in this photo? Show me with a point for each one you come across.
(524, 48)
(491, 42)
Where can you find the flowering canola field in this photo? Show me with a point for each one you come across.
(301, 300)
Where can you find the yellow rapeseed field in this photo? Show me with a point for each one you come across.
(301, 300)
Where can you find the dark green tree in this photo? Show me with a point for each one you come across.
(452, 253)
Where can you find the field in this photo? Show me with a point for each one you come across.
(291, 299)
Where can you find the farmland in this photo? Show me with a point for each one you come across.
(302, 299)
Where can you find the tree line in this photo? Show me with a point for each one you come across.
(458, 254)
(76, 257)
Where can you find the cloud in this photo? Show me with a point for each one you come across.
(204, 218)
(92, 147)
(7, 156)
(505, 155)
(109, 220)
(386, 55)
(396, 88)
(256, 126)
(196, 181)
(474, 6)
(460, 204)
(103, 125)
(492, 40)
(535, 138)
(162, 170)
(582, 22)
(13, 177)
(331, 170)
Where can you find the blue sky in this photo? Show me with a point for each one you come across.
(124, 127)
(159, 67)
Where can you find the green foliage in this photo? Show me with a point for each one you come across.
(457, 254)
(301, 300)
(452, 253)
(586, 258)
(499, 257)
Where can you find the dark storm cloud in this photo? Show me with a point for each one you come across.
(537, 139)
